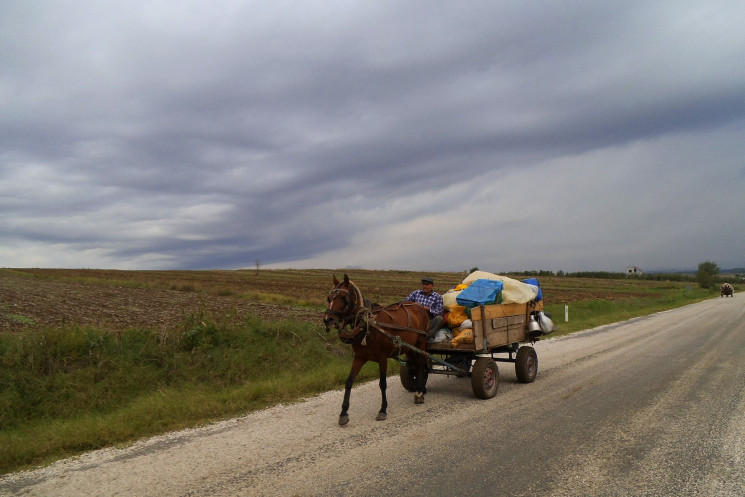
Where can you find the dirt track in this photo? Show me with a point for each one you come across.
(648, 407)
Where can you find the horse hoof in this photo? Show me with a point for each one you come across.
(418, 398)
(381, 416)
(343, 420)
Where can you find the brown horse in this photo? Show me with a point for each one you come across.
(374, 333)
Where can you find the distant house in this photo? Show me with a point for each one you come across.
(633, 271)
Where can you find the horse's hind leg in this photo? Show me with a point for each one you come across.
(382, 415)
(421, 380)
(357, 364)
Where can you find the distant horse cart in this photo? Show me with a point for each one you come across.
(399, 331)
(727, 290)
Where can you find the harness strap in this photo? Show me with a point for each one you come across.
(369, 318)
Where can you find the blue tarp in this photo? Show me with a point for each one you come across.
(534, 282)
(480, 292)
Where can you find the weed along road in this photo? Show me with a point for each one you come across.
(653, 406)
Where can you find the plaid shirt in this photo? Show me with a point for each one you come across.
(433, 301)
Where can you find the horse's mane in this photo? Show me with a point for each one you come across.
(367, 304)
(357, 292)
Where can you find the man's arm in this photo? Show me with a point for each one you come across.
(436, 307)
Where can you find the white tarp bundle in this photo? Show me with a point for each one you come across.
(448, 298)
(514, 291)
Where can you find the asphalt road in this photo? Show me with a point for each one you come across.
(653, 406)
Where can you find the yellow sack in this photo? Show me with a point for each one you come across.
(465, 336)
(457, 316)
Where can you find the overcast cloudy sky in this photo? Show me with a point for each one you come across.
(508, 135)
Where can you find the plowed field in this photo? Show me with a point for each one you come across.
(27, 301)
(116, 300)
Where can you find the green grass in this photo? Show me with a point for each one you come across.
(585, 314)
(64, 391)
(15, 318)
(273, 298)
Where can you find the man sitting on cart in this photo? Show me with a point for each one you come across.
(430, 300)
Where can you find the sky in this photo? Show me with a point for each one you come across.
(411, 135)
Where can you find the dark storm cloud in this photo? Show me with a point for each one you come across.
(214, 134)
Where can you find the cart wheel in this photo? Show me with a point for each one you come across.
(485, 378)
(408, 379)
(526, 364)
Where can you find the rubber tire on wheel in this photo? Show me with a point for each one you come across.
(526, 364)
(485, 378)
(408, 380)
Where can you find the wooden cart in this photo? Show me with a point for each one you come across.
(498, 332)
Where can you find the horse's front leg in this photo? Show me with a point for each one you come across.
(357, 364)
(383, 366)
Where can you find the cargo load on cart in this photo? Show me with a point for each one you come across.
(489, 314)
(504, 308)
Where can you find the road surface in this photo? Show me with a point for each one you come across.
(653, 406)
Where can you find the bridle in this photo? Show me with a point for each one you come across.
(349, 303)
(354, 314)
(352, 304)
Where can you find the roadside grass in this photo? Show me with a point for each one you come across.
(65, 391)
(585, 314)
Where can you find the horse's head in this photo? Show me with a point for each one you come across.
(343, 303)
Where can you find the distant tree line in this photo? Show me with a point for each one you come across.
(708, 275)
(607, 275)
(610, 275)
